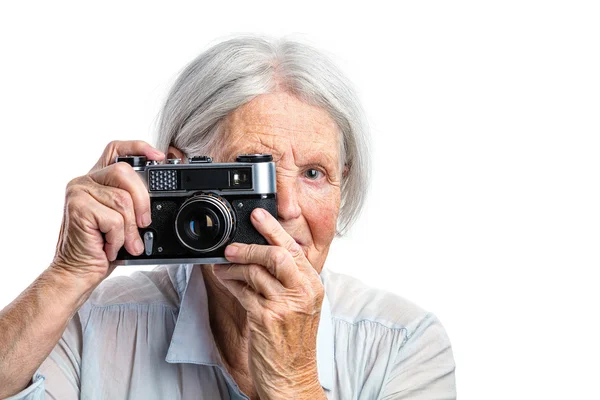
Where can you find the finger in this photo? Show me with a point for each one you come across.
(256, 276)
(103, 219)
(248, 298)
(118, 148)
(277, 260)
(110, 223)
(120, 201)
(274, 233)
(123, 176)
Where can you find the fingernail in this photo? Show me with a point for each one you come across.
(139, 246)
(259, 214)
(146, 219)
(231, 250)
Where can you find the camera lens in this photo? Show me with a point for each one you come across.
(205, 222)
(204, 226)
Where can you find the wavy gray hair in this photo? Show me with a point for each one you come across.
(233, 72)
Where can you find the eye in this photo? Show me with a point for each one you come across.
(313, 174)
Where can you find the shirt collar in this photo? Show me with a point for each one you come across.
(192, 341)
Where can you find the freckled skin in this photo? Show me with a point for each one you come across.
(301, 137)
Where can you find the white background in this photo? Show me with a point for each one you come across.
(484, 203)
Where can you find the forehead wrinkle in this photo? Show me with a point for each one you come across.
(265, 125)
(314, 136)
(237, 143)
(278, 145)
(301, 155)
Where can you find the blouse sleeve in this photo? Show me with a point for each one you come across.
(424, 367)
(59, 375)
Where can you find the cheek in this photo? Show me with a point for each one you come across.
(321, 212)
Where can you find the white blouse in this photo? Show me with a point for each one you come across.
(147, 336)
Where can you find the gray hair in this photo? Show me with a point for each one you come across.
(233, 72)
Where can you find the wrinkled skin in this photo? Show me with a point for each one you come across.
(265, 306)
(300, 137)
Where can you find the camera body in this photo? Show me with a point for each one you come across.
(200, 207)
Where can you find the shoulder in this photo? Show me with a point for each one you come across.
(161, 286)
(392, 344)
(363, 313)
(353, 301)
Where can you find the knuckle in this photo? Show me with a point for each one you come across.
(113, 144)
(75, 205)
(73, 182)
(117, 222)
(277, 255)
(132, 229)
(109, 149)
(273, 230)
(294, 247)
(74, 186)
(71, 190)
(122, 168)
(250, 251)
(252, 272)
(122, 200)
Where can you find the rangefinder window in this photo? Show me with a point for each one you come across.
(240, 178)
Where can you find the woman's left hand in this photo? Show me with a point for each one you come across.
(282, 294)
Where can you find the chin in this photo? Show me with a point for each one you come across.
(317, 257)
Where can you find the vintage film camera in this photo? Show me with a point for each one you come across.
(200, 207)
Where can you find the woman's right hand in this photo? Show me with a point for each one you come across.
(102, 212)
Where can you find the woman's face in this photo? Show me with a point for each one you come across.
(304, 142)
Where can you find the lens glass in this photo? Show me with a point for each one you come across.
(205, 223)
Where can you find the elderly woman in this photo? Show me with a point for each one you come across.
(273, 324)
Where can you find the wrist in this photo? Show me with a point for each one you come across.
(312, 391)
(84, 274)
(303, 387)
(70, 289)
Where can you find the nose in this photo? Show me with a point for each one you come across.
(288, 205)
